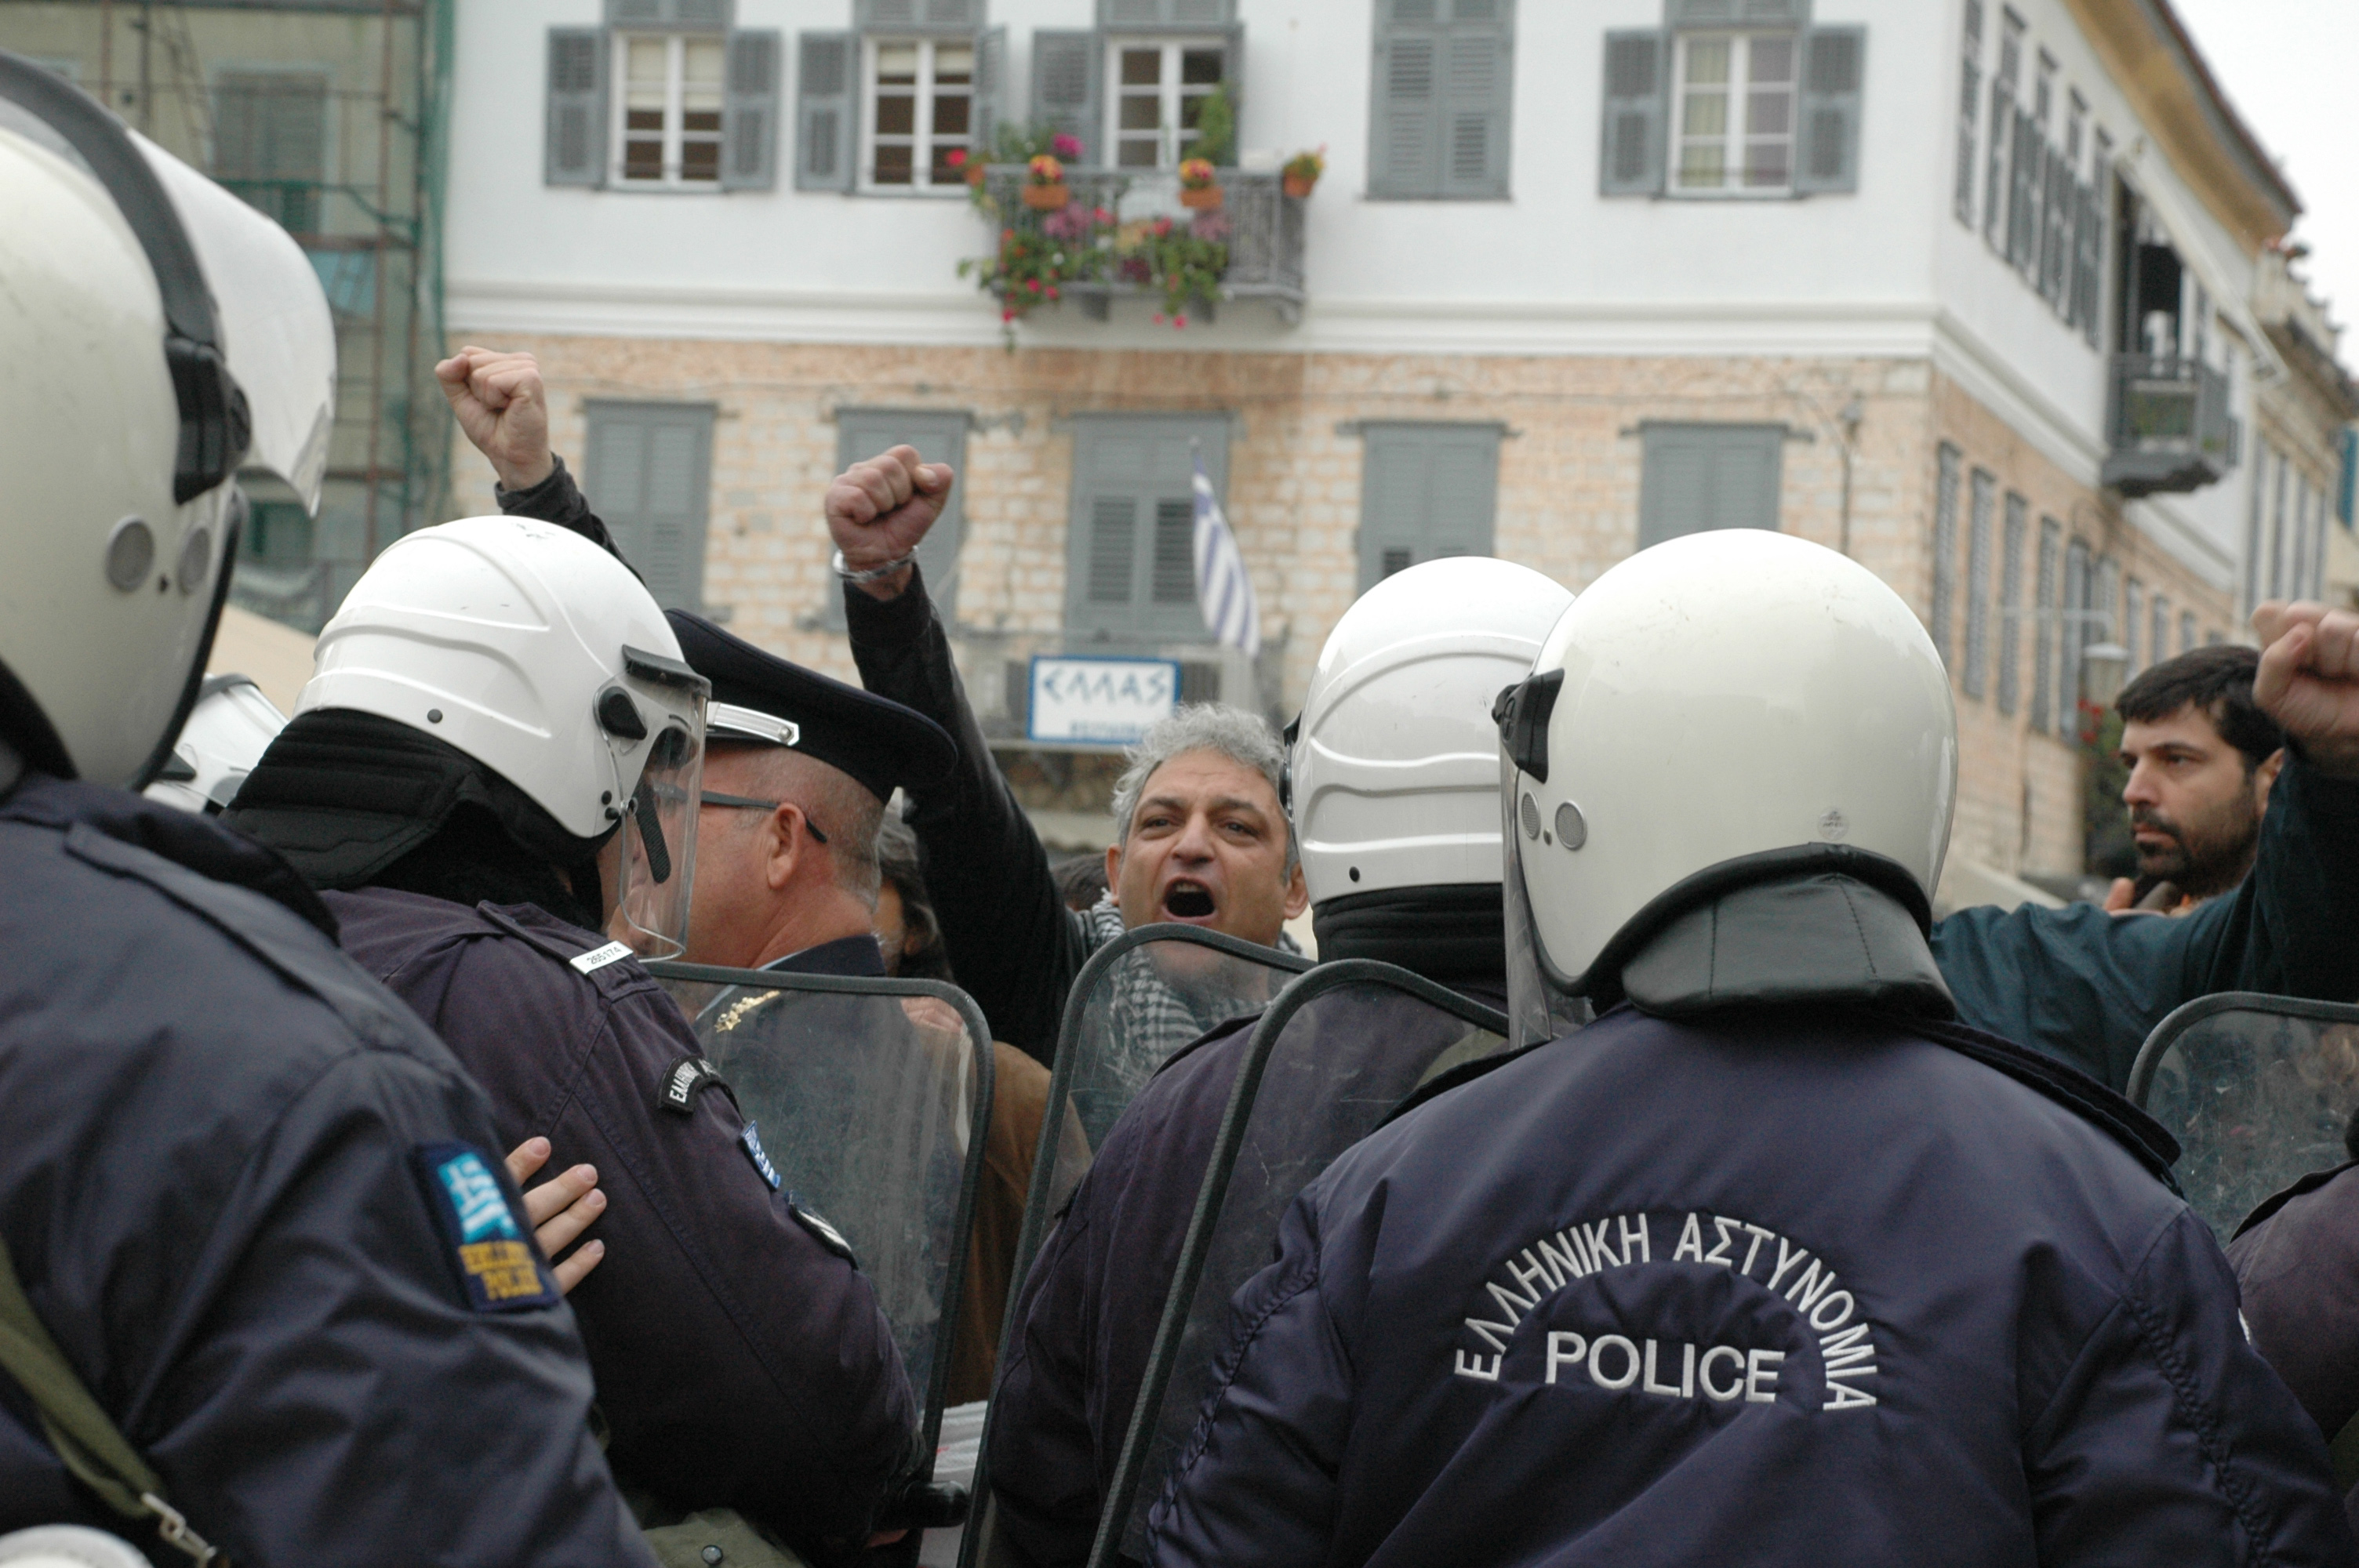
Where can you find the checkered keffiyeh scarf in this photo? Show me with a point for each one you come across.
(1148, 1017)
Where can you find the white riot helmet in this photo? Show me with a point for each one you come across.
(159, 333)
(538, 655)
(1709, 710)
(230, 728)
(1393, 771)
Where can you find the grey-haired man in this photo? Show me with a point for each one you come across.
(1200, 835)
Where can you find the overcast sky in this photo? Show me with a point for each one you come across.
(2286, 65)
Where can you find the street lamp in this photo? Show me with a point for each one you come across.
(2104, 667)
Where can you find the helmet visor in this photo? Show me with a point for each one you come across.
(278, 334)
(656, 869)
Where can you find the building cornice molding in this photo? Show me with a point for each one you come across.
(2148, 52)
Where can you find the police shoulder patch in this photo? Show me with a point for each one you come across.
(828, 1235)
(751, 1141)
(498, 1268)
(685, 1079)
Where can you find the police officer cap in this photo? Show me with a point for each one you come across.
(760, 697)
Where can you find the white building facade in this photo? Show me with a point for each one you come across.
(1961, 288)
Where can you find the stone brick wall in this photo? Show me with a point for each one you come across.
(2020, 792)
(1567, 490)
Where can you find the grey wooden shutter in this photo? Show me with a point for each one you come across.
(648, 467)
(2089, 264)
(2023, 196)
(940, 436)
(1697, 478)
(1630, 144)
(749, 111)
(1233, 78)
(825, 90)
(1066, 65)
(575, 150)
(1478, 82)
(1426, 491)
(2049, 597)
(2075, 636)
(1974, 679)
(1941, 609)
(1834, 73)
(1405, 103)
(712, 15)
(990, 90)
(1130, 561)
(1165, 16)
(2010, 605)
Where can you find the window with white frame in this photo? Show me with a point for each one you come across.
(1159, 88)
(670, 109)
(1735, 98)
(920, 110)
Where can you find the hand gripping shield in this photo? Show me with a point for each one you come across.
(2259, 1091)
(871, 1100)
(1327, 1064)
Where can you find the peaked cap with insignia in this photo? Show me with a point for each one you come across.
(760, 698)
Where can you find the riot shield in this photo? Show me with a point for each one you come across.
(1332, 1057)
(872, 1098)
(1139, 998)
(2259, 1091)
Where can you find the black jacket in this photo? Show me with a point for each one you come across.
(741, 1361)
(220, 1144)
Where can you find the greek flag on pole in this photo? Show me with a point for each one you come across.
(1224, 592)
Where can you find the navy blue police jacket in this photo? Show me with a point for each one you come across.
(1802, 1284)
(742, 1358)
(226, 1159)
(1086, 1313)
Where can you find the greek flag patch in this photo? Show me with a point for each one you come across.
(497, 1265)
(751, 1141)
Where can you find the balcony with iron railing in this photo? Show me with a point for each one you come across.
(2168, 426)
(1128, 234)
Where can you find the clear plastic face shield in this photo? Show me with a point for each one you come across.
(652, 857)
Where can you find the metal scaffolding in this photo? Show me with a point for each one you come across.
(332, 117)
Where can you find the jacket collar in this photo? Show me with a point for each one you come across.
(1814, 937)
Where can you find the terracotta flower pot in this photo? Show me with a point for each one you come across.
(1048, 198)
(1296, 185)
(1201, 197)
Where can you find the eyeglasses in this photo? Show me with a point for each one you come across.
(747, 802)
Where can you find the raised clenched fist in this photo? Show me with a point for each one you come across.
(504, 409)
(879, 509)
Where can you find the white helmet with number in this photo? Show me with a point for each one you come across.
(230, 727)
(157, 333)
(538, 655)
(1735, 696)
(1394, 775)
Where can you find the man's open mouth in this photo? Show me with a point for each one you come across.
(1186, 900)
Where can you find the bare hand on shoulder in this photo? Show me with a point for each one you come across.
(560, 1210)
(879, 509)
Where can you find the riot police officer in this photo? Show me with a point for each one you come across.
(1394, 788)
(495, 766)
(1773, 1262)
(253, 1213)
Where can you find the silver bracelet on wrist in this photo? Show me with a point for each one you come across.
(871, 574)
